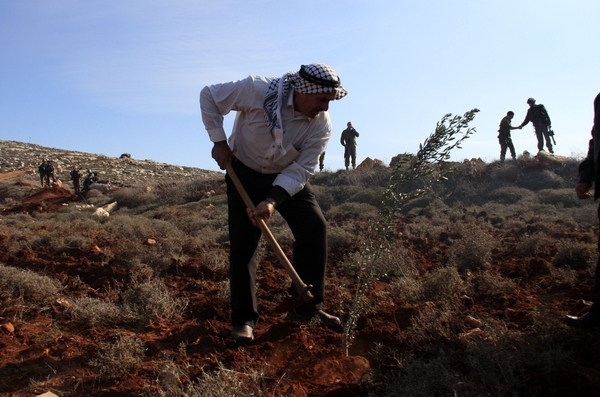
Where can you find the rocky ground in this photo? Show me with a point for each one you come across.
(48, 352)
(118, 171)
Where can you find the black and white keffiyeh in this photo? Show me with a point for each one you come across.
(315, 78)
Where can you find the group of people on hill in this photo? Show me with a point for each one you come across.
(47, 173)
(538, 116)
(278, 140)
(48, 176)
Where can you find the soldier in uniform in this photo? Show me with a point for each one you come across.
(75, 177)
(348, 141)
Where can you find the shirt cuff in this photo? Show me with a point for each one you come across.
(217, 134)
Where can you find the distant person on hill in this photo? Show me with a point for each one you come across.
(42, 171)
(504, 136)
(588, 176)
(321, 161)
(50, 173)
(348, 141)
(75, 177)
(89, 179)
(46, 170)
(542, 125)
(281, 127)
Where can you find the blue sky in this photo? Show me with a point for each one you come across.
(111, 77)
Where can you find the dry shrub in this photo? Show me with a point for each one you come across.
(564, 278)
(510, 195)
(473, 249)
(530, 244)
(435, 326)
(443, 285)
(488, 366)
(371, 196)
(27, 285)
(173, 381)
(560, 197)
(185, 191)
(216, 260)
(120, 357)
(488, 285)
(351, 212)
(93, 311)
(339, 238)
(574, 255)
(406, 289)
(134, 197)
(541, 179)
(152, 301)
(331, 196)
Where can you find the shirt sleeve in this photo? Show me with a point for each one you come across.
(216, 101)
(295, 176)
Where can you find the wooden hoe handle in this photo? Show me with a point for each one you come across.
(303, 289)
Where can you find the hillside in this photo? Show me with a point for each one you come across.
(468, 298)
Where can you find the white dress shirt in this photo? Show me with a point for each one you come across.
(251, 141)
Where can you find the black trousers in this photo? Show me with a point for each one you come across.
(542, 133)
(596, 294)
(309, 228)
(506, 143)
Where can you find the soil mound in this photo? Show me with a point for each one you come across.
(46, 200)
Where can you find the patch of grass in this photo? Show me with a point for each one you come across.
(119, 357)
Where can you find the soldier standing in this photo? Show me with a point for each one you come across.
(75, 177)
(504, 136)
(348, 141)
(42, 171)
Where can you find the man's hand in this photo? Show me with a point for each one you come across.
(222, 154)
(583, 190)
(264, 210)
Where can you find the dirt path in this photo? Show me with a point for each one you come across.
(11, 174)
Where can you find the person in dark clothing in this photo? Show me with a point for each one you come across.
(348, 141)
(46, 170)
(504, 136)
(42, 171)
(75, 177)
(542, 125)
(589, 175)
(321, 161)
(50, 173)
(89, 179)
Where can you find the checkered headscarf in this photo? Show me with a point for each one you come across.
(316, 78)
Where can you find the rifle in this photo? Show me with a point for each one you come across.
(551, 135)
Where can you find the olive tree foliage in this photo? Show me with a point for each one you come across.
(413, 176)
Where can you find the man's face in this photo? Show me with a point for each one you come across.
(311, 105)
